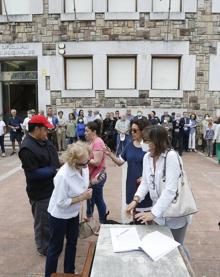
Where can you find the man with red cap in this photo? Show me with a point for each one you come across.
(40, 162)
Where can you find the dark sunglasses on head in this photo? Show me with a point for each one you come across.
(83, 164)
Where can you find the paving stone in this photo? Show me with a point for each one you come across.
(17, 252)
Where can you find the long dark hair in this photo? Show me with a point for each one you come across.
(96, 126)
(141, 123)
(159, 136)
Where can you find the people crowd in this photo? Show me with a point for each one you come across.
(187, 132)
(64, 161)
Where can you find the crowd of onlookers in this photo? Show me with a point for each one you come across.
(186, 131)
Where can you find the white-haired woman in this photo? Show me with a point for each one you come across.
(71, 187)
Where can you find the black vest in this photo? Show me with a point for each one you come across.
(46, 155)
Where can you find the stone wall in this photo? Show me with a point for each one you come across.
(202, 29)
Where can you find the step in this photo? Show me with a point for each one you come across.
(8, 144)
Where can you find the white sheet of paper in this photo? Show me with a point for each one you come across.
(125, 239)
(156, 245)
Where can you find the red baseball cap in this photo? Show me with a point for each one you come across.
(40, 119)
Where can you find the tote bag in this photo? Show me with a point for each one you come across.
(184, 202)
(86, 228)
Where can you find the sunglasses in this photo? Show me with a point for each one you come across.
(83, 164)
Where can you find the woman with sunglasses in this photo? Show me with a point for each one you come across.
(153, 166)
(70, 188)
(96, 170)
(133, 154)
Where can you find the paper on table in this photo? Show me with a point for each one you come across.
(157, 245)
(125, 239)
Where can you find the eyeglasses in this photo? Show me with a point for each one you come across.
(83, 164)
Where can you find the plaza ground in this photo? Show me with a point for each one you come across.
(17, 249)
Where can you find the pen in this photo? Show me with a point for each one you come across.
(122, 233)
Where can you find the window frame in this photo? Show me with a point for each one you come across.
(167, 58)
(64, 9)
(180, 11)
(65, 71)
(136, 8)
(135, 70)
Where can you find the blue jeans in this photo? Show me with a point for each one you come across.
(59, 228)
(97, 198)
(122, 144)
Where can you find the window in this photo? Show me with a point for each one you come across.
(165, 73)
(163, 5)
(15, 7)
(122, 73)
(18, 65)
(81, 6)
(79, 73)
(122, 5)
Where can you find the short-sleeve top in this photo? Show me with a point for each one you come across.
(2, 125)
(15, 122)
(97, 145)
(134, 157)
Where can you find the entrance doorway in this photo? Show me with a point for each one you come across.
(19, 96)
(19, 86)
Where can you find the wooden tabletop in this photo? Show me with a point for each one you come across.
(135, 263)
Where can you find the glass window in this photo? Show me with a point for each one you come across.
(165, 73)
(15, 7)
(79, 73)
(121, 73)
(121, 5)
(25, 65)
(81, 6)
(163, 5)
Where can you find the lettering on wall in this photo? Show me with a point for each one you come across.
(17, 50)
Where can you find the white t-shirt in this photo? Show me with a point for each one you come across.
(2, 125)
(25, 123)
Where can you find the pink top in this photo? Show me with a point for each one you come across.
(97, 145)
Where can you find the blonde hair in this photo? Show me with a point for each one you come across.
(74, 152)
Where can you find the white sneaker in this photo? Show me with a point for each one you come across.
(3, 155)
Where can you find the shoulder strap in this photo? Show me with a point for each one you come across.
(165, 163)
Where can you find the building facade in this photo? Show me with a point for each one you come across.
(110, 54)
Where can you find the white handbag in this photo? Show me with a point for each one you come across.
(184, 202)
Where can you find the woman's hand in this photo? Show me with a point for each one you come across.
(139, 180)
(144, 217)
(107, 151)
(86, 195)
(130, 208)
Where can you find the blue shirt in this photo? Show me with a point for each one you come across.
(193, 125)
(134, 157)
(15, 122)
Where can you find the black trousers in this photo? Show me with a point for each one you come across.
(60, 228)
(185, 140)
(178, 139)
(2, 143)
